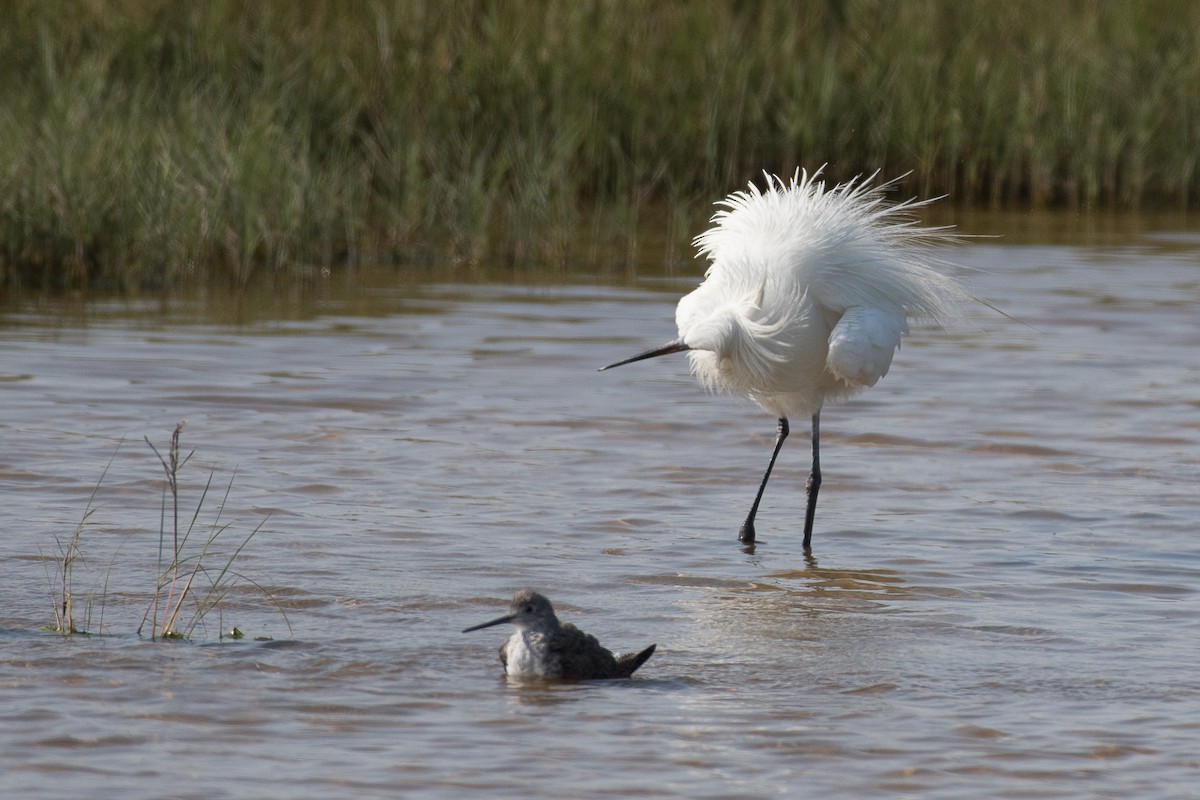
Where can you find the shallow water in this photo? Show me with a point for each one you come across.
(1003, 600)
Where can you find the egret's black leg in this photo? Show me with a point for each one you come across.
(814, 482)
(746, 534)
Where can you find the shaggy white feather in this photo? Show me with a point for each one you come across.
(809, 291)
(863, 342)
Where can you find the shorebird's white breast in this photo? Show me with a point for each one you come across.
(527, 656)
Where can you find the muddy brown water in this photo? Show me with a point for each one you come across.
(1003, 598)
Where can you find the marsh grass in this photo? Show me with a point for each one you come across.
(189, 587)
(148, 144)
(62, 581)
(62, 591)
(194, 572)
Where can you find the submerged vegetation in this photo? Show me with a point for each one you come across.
(180, 564)
(188, 587)
(62, 582)
(144, 144)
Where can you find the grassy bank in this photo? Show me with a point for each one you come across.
(148, 142)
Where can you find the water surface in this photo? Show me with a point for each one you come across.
(1002, 600)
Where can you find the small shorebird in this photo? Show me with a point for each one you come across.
(543, 647)
(806, 298)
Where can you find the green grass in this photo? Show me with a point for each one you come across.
(150, 143)
(188, 586)
(62, 581)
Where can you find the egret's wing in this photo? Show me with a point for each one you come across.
(863, 342)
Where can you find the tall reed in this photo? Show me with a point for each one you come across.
(188, 585)
(147, 143)
(62, 581)
(186, 577)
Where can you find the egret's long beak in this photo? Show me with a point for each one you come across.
(500, 621)
(676, 346)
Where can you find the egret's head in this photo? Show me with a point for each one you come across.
(716, 332)
(727, 347)
(733, 347)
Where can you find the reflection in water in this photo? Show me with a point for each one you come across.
(847, 583)
(1002, 602)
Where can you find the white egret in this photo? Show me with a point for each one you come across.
(806, 297)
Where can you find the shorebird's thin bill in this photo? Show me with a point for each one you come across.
(675, 346)
(500, 621)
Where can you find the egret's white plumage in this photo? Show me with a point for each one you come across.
(807, 295)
